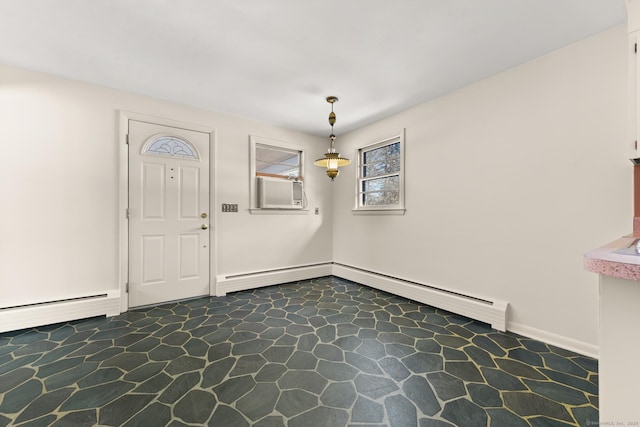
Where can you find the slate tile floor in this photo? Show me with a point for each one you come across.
(323, 352)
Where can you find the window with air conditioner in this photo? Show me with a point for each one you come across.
(277, 175)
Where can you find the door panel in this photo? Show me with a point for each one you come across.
(168, 195)
(152, 252)
(189, 191)
(153, 191)
(189, 247)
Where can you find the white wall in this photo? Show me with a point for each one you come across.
(59, 190)
(508, 182)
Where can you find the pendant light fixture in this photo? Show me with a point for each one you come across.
(332, 160)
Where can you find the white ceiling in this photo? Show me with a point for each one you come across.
(277, 60)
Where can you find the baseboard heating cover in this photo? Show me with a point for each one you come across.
(46, 313)
(493, 312)
(244, 281)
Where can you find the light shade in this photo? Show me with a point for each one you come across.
(332, 161)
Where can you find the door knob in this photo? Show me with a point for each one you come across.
(204, 226)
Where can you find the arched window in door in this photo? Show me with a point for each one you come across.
(171, 146)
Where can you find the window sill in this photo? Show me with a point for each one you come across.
(265, 211)
(379, 211)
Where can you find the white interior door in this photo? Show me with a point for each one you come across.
(168, 213)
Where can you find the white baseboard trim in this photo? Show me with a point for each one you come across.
(258, 279)
(47, 313)
(108, 303)
(493, 312)
(561, 341)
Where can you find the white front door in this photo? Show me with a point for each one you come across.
(168, 213)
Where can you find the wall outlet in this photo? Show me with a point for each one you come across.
(229, 207)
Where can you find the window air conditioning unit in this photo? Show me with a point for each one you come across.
(278, 193)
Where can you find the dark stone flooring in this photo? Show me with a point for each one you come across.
(323, 352)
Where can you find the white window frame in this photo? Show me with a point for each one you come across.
(397, 209)
(254, 141)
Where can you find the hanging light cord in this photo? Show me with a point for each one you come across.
(332, 120)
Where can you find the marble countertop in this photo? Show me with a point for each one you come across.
(615, 259)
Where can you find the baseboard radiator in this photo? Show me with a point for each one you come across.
(252, 280)
(493, 312)
(50, 312)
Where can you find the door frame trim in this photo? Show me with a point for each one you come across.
(123, 196)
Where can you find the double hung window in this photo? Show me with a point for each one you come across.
(381, 175)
